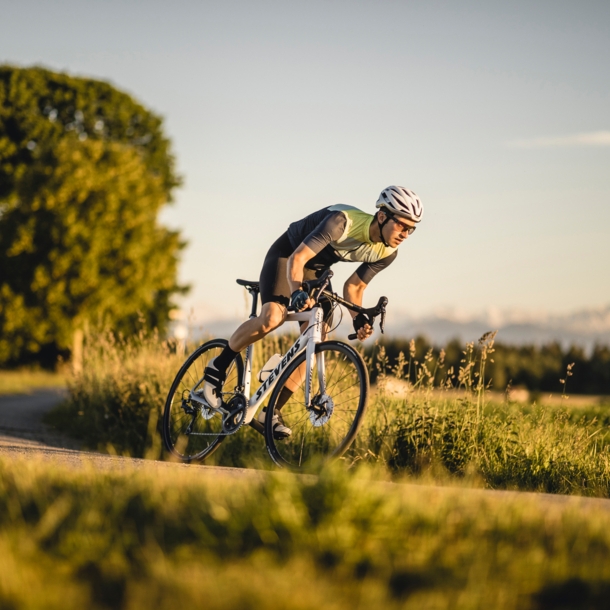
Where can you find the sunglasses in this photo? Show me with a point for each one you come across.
(404, 228)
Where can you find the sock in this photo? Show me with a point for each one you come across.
(283, 398)
(225, 358)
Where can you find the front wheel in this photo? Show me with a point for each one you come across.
(191, 430)
(324, 430)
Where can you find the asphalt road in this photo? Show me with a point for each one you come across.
(21, 421)
(23, 433)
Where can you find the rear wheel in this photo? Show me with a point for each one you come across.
(325, 430)
(191, 430)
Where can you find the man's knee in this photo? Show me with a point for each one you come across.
(272, 316)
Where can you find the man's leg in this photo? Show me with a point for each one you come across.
(275, 296)
(271, 317)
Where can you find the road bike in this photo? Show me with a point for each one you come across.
(327, 383)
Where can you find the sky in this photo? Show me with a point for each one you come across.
(497, 114)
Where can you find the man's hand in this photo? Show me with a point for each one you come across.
(363, 329)
(364, 333)
(300, 301)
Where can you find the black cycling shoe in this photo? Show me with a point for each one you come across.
(214, 379)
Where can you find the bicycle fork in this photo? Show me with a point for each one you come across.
(311, 359)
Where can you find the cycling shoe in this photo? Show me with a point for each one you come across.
(280, 430)
(213, 385)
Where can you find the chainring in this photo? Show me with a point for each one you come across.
(235, 415)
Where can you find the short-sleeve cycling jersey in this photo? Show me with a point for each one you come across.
(341, 233)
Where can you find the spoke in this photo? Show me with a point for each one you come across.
(348, 374)
(302, 445)
(195, 368)
(328, 379)
(191, 375)
(333, 396)
(345, 409)
(342, 419)
(181, 417)
(302, 418)
(338, 370)
(302, 423)
(354, 384)
(294, 409)
(298, 421)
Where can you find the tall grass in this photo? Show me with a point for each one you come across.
(459, 431)
(116, 401)
(170, 537)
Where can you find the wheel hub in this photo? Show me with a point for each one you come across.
(322, 407)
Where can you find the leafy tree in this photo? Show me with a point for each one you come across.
(84, 172)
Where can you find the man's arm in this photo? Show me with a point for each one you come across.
(331, 228)
(296, 264)
(353, 290)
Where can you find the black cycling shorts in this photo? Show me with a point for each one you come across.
(274, 285)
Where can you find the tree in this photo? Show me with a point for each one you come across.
(84, 172)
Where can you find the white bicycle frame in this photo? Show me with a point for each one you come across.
(307, 341)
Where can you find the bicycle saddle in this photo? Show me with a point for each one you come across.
(249, 285)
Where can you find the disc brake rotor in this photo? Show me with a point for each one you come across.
(321, 410)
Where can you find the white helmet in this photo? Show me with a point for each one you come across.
(402, 202)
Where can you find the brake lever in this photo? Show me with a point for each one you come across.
(371, 322)
(383, 303)
(322, 289)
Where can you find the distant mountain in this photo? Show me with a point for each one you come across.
(585, 327)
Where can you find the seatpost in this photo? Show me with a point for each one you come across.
(254, 295)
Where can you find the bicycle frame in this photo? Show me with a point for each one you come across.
(307, 341)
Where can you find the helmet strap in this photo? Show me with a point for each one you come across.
(383, 224)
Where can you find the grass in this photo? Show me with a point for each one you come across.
(116, 400)
(168, 537)
(447, 427)
(26, 381)
(501, 445)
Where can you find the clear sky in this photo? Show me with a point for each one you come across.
(496, 113)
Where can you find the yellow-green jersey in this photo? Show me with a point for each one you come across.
(341, 233)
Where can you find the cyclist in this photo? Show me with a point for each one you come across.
(310, 246)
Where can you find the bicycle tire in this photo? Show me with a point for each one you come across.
(318, 437)
(202, 440)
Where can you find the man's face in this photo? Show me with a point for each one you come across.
(396, 230)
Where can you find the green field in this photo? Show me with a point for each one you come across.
(464, 435)
(402, 521)
(170, 537)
